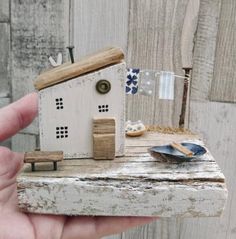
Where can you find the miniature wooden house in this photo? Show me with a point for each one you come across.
(82, 106)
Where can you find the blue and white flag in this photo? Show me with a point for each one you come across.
(132, 81)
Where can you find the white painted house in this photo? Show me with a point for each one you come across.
(72, 95)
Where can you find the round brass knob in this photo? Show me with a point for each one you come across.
(103, 86)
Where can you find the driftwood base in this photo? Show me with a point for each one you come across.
(134, 185)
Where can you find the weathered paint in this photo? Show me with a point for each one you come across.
(135, 185)
(66, 112)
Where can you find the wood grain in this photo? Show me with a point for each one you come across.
(134, 185)
(104, 146)
(41, 156)
(103, 58)
(182, 149)
(222, 144)
(224, 82)
(99, 24)
(38, 29)
(104, 125)
(204, 49)
(104, 135)
(205, 199)
(94, 32)
(4, 10)
(188, 32)
(151, 45)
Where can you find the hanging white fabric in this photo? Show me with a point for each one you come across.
(166, 85)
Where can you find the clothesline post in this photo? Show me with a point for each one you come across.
(187, 71)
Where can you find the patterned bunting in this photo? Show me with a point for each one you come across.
(144, 82)
(166, 86)
(147, 82)
(132, 81)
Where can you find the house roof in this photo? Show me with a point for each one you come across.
(67, 71)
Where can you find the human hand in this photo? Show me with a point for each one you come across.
(18, 225)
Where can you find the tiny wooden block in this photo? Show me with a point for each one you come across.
(43, 156)
(182, 149)
(104, 125)
(104, 138)
(104, 146)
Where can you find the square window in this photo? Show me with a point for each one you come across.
(62, 132)
(59, 103)
(103, 108)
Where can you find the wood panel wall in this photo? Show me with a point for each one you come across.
(213, 120)
(5, 80)
(162, 35)
(224, 84)
(151, 33)
(38, 29)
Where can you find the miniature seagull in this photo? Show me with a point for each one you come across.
(59, 60)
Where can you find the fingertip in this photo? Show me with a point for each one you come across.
(26, 109)
(31, 100)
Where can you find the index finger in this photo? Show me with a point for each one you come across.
(18, 115)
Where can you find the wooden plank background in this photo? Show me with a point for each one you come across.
(4, 11)
(224, 84)
(154, 42)
(155, 34)
(38, 29)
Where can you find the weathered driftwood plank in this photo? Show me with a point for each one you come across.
(103, 197)
(181, 149)
(125, 186)
(104, 130)
(41, 156)
(103, 58)
(134, 170)
(224, 82)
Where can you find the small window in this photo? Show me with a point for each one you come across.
(62, 132)
(103, 108)
(59, 103)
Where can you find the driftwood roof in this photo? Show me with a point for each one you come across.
(106, 57)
